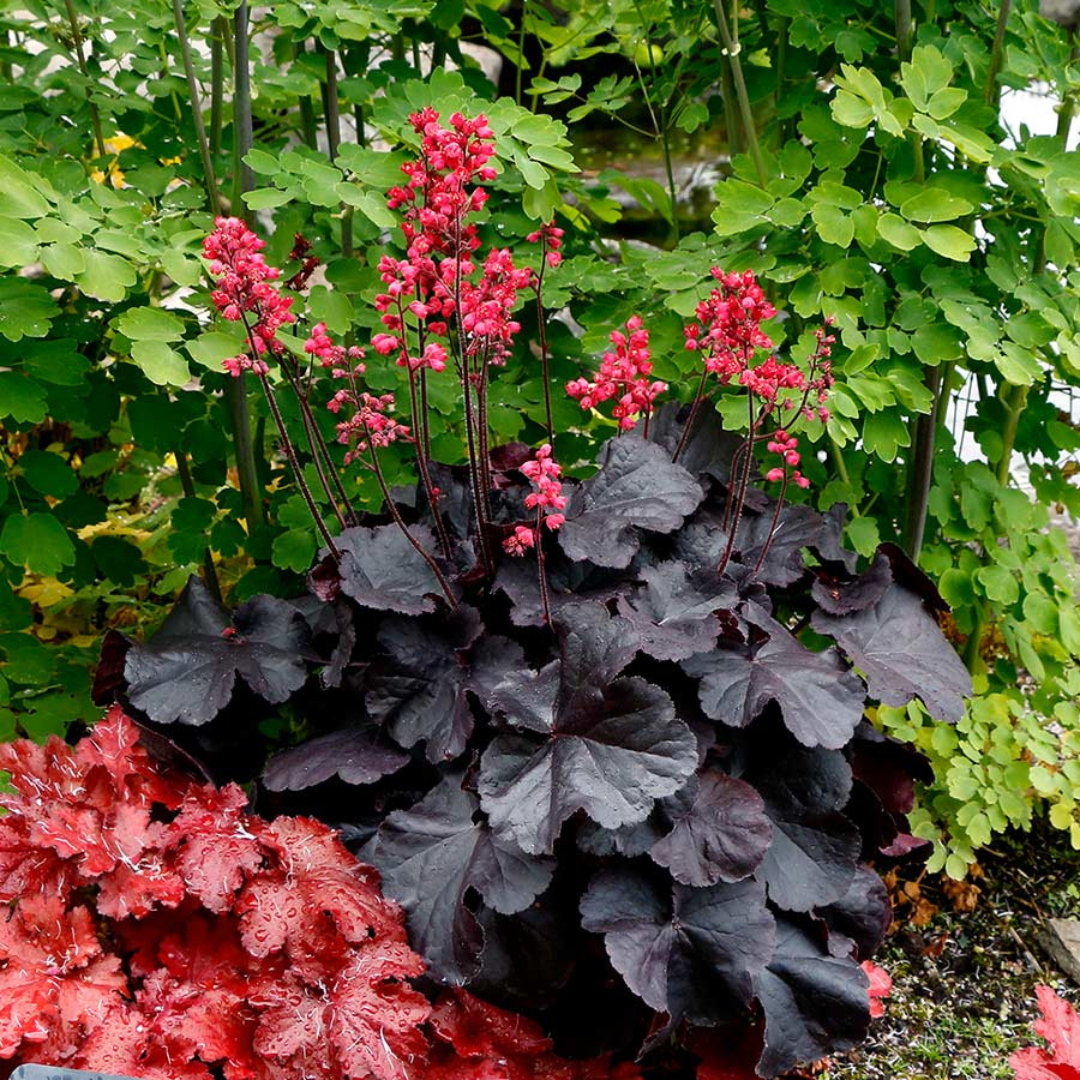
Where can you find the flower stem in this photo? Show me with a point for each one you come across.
(699, 396)
(744, 483)
(395, 513)
(991, 91)
(540, 560)
(218, 32)
(772, 527)
(422, 463)
(542, 330)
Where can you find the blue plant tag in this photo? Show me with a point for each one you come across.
(55, 1072)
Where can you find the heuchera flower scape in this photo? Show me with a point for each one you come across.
(606, 741)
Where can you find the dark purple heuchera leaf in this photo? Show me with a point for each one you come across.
(673, 614)
(187, 672)
(820, 699)
(901, 651)
(609, 746)
(568, 583)
(380, 569)
(814, 851)
(862, 914)
(417, 686)
(636, 487)
(356, 755)
(796, 528)
(690, 953)
(708, 448)
(431, 855)
(829, 544)
(815, 1004)
(888, 768)
(720, 831)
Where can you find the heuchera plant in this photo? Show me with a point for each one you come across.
(157, 929)
(606, 741)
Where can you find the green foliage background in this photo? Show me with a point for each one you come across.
(867, 176)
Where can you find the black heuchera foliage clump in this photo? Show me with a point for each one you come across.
(653, 814)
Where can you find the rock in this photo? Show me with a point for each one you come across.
(1060, 938)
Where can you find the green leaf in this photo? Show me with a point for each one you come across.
(935, 342)
(1018, 366)
(945, 102)
(212, 347)
(48, 473)
(371, 204)
(190, 520)
(833, 225)
(740, 206)
(25, 309)
(884, 433)
(21, 398)
(150, 324)
(294, 550)
(263, 163)
(998, 584)
(18, 243)
(118, 559)
(161, 364)
(331, 307)
(106, 277)
(949, 241)
(934, 204)
(266, 198)
(22, 191)
(862, 533)
(956, 588)
(898, 232)
(38, 542)
(64, 261)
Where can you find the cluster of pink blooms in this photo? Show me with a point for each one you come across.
(370, 423)
(442, 189)
(243, 288)
(551, 238)
(787, 447)
(546, 498)
(623, 377)
(728, 331)
(344, 362)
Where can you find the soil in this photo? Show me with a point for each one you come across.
(963, 994)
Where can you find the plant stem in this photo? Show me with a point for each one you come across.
(80, 56)
(731, 49)
(420, 426)
(307, 110)
(218, 31)
(991, 90)
(542, 331)
(740, 499)
(772, 528)
(902, 18)
(542, 568)
(196, 108)
(245, 138)
(188, 486)
(699, 396)
(395, 513)
(922, 465)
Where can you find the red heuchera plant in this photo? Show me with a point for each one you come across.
(1060, 1027)
(157, 929)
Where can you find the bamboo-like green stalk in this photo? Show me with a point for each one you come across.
(80, 57)
(218, 33)
(187, 484)
(243, 180)
(196, 108)
(731, 49)
(307, 110)
(922, 463)
(990, 91)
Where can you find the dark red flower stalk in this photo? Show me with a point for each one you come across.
(244, 294)
(301, 253)
(550, 240)
(548, 501)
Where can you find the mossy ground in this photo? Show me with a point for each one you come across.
(964, 985)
